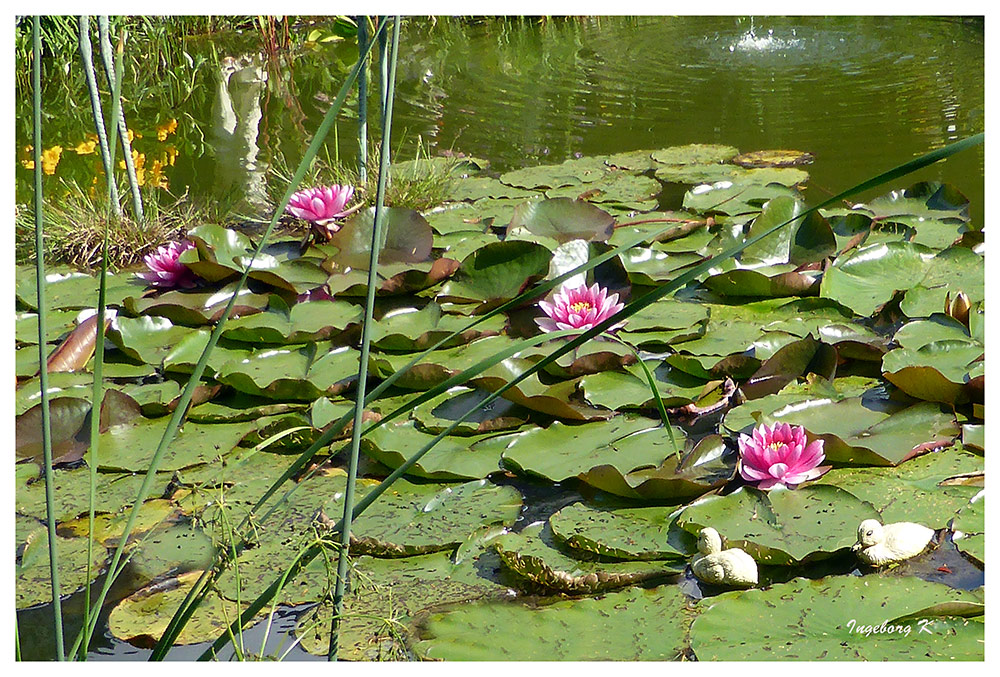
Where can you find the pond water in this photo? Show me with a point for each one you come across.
(861, 94)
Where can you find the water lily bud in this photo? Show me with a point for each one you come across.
(958, 307)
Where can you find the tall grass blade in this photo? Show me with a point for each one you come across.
(184, 611)
(359, 404)
(635, 306)
(87, 56)
(43, 378)
(97, 397)
(363, 102)
(109, 69)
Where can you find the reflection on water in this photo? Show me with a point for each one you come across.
(862, 93)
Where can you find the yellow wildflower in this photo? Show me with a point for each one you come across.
(50, 158)
(156, 177)
(87, 147)
(166, 129)
(139, 160)
(170, 155)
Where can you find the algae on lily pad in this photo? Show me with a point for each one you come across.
(534, 554)
(841, 618)
(453, 458)
(912, 491)
(562, 451)
(32, 583)
(142, 617)
(969, 526)
(630, 625)
(412, 519)
(646, 533)
(384, 594)
(679, 476)
(782, 527)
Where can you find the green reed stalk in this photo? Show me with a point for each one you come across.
(43, 370)
(635, 306)
(363, 102)
(109, 69)
(383, 79)
(87, 56)
(359, 404)
(197, 591)
(97, 397)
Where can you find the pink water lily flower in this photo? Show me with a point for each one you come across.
(579, 308)
(779, 455)
(165, 270)
(321, 204)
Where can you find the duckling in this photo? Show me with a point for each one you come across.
(879, 545)
(731, 567)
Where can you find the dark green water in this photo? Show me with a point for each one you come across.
(862, 94)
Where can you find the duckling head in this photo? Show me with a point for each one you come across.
(870, 533)
(709, 541)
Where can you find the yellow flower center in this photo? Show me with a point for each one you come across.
(776, 446)
(581, 306)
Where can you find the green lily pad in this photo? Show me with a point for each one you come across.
(395, 278)
(496, 273)
(648, 533)
(478, 217)
(694, 154)
(839, 618)
(678, 477)
(384, 595)
(563, 219)
(283, 266)
(732, 197)
(58, 323)
(69, 289)
(32, 573)
(71, 489)
(408, 238)
(428, 167)
(912, 491)
(867, 278)
(131, 448)
(782, 527)
(147, 339)
(292, 372)
(303, 322)
(453, 458)
(805, 240)
(569, 173)
(479, 187)
(713, 173)
(535, 555)
(563, 451)
(185, 354)
(196, 308)
(859, 437)
(618, 390)
(970, 529)
(413, 519)
(219, 253)
(441, 412)
(142, 617)
(631, 625)
(614, 186)
(956, 269)
(412, 329)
